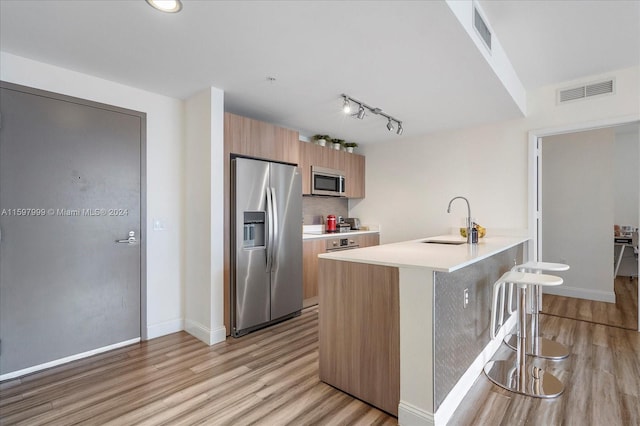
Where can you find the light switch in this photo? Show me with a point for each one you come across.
(158, 225)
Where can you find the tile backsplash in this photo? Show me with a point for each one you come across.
(315, 209)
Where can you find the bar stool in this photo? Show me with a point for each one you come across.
(516, 375)
(537, 346)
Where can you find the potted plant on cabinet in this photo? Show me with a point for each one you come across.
(337, 143)
(348, 146)
(321, 139)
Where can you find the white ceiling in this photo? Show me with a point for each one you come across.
(411, 58)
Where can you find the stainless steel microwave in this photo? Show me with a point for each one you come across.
(327, 182)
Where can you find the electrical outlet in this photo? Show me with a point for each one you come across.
(466, 298)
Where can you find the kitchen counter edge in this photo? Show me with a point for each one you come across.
(416, 254)
(335, 235)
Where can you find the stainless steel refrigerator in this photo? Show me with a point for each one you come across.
(266, 244)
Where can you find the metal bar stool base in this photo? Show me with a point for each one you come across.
(546, 348)
(535, 381)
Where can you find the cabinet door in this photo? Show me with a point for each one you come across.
(310, 251)
(258, 139)
(367, 240)
(354, 167)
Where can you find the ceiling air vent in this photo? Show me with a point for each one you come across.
(586, 91)
(482, 28)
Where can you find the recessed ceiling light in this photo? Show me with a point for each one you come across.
(170, 6)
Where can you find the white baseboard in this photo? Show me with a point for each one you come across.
(164, 328)
(459, 391)
(410, 415)
(205, 334)
(218, 334)
(581, 293)
(67, 359)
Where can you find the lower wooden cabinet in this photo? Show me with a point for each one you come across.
(310, 251)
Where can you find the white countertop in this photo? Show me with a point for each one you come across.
(312, 232)
(438, 257)
(314, 235)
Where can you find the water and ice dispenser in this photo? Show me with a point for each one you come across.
(254, 229)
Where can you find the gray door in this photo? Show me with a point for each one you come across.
(70, 186)
(286, 273)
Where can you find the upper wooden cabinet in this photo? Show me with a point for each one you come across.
(258, 139)
(354, 168)
(353, 165)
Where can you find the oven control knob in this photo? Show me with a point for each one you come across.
(351, 241)
(335, 243)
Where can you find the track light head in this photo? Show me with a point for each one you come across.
(399, 131)
(346, 106)
(390, 126)
(361, 112)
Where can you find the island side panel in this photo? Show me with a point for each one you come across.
(460, 334)
(359, 331)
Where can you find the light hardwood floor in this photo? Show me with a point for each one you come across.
(601, 378)
(623, 313)
(271, 378)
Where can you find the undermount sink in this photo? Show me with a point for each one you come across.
(449, 242)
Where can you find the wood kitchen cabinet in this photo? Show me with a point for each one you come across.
(258, 139)
(353, 166)
(315, 155)
(310, 251)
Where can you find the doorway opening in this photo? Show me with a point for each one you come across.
(570, 189)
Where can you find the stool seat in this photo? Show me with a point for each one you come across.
(543, 266)
(536, 345)
(527, 278)
(516, 375)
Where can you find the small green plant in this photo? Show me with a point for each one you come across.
(318, 137)
(350, 145)
(338, 141)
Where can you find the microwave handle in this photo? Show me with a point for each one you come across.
(342, 185)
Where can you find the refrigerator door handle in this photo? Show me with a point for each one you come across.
(270, 236)
(276, 231)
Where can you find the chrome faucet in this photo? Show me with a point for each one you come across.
(469, 224)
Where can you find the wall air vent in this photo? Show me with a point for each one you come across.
(605, 87)
(481, 28)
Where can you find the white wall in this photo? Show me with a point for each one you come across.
(204, 198)
(577, 211)
(164, 174)
(626, 177)
(409, 183)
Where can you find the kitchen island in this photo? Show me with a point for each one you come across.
(405, 326)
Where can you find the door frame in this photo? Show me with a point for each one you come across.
(534, 171)
(143, 190)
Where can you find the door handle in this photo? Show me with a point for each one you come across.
(130, 240)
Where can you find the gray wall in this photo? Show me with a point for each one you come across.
(577, 211)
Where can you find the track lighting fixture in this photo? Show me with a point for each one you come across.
(346, 106)
(169, 6)
(390, 126)
(362, 109)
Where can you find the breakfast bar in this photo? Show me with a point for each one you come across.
(405, 326)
